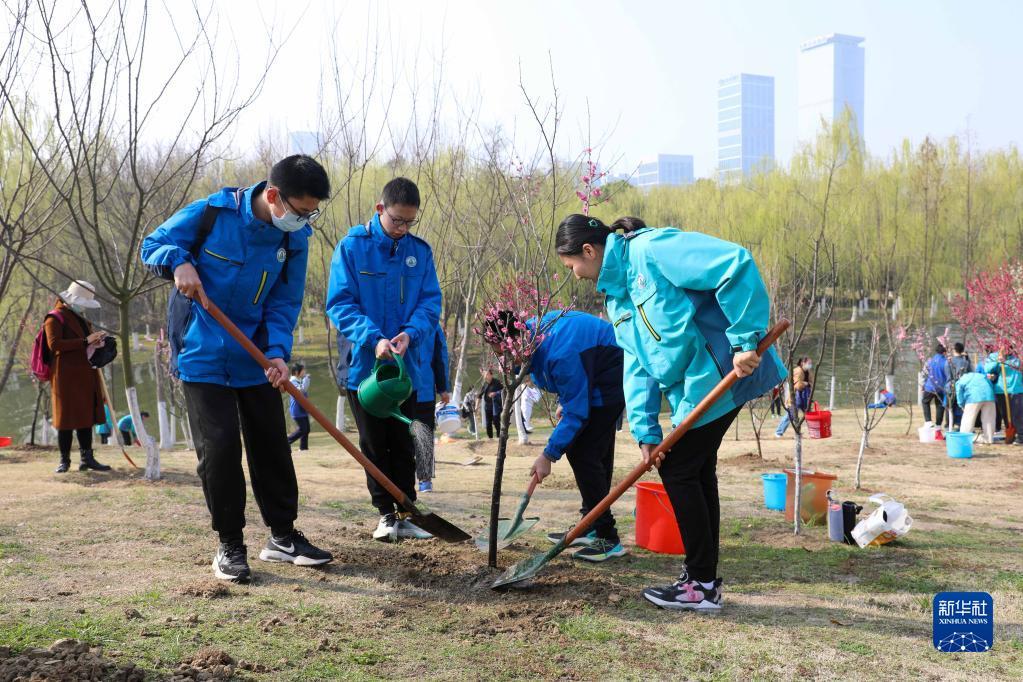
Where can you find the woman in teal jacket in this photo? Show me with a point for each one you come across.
(686, 308)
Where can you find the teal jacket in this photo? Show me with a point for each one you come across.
(1013, 381)
(974, 388)
(682, 304)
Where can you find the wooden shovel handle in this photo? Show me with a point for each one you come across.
(246, 343)
(672, 438)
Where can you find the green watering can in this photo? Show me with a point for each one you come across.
(385, 389)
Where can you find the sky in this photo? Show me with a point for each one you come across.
(641, 76)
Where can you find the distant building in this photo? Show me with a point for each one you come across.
(664, 169)
(831, 74)
(304, 142)
(745, 125)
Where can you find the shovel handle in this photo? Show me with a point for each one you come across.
(533, 482)
(246, 343)
(672, 438)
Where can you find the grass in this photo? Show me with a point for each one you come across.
(125, 564)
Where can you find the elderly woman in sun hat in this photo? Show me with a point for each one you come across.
(76, 392)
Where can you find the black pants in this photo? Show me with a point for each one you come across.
(127, 439)
(221, 417)
(493, 420)
(104, 438)
(1013, 415)
(777, 406)
(425, 465)
(64, 440)
(939, 408)
(592, 457)
(301, 434)
(388, 444)
(689, 474)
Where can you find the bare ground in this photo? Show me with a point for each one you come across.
(116, 562)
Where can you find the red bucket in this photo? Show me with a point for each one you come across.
(818, 422)
(5, 441)
(656, 527)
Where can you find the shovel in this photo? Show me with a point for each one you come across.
(115, 432)
(421, 516)
(527, 568)
(1010, 430)
(509, 529)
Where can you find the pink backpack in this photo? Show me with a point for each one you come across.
(41, 357)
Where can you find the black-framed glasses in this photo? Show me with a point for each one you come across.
(308, 217)
(398, 222)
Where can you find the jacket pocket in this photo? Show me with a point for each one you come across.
(714, 358)
(624, 318)
(641, 298)
(262, 285)
(222, 258)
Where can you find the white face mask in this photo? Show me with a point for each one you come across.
(808, 365)
(289, 222)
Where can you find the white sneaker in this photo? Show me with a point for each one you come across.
(387, 528)
(407, 529)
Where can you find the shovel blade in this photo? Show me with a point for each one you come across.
(435, 525)
(507, 532)
(527, 568)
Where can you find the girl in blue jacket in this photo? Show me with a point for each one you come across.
(686, 309)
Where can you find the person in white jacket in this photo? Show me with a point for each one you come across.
(528, 397)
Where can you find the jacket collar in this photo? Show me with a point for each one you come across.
(611, 280)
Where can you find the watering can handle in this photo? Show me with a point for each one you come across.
(398, 361)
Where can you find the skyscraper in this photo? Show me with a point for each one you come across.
(745, 124)
(830, 79)
(664, 169)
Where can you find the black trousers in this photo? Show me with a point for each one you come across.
(592, 458)
(64, 437)
(493, 420)
(939, 408)
(388, 444)
(104, 438)
(1012, 415)
(300, 434)
(425, 465)
(221, 417)
(689, 474)
(127, 439)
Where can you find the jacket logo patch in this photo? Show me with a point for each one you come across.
(411, 261)
(281, 255)
(640, 281)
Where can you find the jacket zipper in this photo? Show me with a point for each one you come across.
(223, 258)
(642, 313)
(715, 360)
(401, 289)
(262, 283)
(622, 319)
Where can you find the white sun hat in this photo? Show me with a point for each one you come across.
(80, 293)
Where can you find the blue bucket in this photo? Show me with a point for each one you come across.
(774, 491)
(959, 445)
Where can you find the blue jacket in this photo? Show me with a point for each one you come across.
(240, 266)
(974, 388)
(125, 423)
(937, 374)
(378, 288)
(579, 361)
(106, 427)
(439, 365)
(295, 409)
(682, 303)
(1013, 381)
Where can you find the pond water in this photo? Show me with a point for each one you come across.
(18, 401)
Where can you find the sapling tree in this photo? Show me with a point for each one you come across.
(879, 355)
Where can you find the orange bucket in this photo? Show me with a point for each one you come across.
(813, 501)
(656, 527)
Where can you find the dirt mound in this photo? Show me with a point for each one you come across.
(66, 659)
(206, 589)
(207, 664)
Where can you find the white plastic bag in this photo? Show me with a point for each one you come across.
(887, 522)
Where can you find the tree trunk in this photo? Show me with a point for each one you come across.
(152, 472)
(797, 493)
(35, 415)
(339, 413)
(859, 457)
(495, 495)
(162, 415)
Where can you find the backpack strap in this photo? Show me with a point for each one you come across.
(206, 222)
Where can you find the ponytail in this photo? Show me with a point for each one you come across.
(577, 230)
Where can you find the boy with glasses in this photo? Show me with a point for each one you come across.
(384, 297)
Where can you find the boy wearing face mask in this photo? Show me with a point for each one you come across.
(246, 250)
(801, 379)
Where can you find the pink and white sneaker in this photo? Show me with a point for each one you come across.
(685, 594)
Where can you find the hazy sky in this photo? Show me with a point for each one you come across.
(649, 70)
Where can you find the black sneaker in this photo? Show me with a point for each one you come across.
(232, 563)
(600, 550)
(581, 541)
(387, 528)
(294, 548)
(686, 594)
